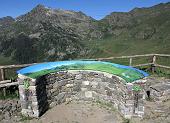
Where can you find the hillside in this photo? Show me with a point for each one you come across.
(142, 30)
(46, 34)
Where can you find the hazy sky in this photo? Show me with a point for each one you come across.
(95, 8)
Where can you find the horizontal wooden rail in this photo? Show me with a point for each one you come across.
(163, 55)
(139, 65)
(134, 56)
(167, 67)
(120, 57)
(16, 66)
(7, 83)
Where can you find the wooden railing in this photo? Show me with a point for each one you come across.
(3, 81)
(153, 64)
(131, 59)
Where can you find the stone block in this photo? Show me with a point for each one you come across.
(69, 85)
(27, 112)
(76, 88)
(88, 94)
(94, 84)
(78, 77)
(85, 83)
(24, 104)
(83, 89)
(60, 98)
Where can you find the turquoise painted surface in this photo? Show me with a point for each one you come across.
(128, 73)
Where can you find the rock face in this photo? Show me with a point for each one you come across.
(47, 91)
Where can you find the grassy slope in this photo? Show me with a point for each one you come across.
(126, 45)
(118, 47)
(5, 60)
(154, 22)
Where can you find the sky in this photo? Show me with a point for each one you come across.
(94, 8)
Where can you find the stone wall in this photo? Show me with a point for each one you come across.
(160, 91)
(47, 91)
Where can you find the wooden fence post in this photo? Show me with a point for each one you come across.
(153, 66)
(2, 74)
(130, 62)
(4, 92)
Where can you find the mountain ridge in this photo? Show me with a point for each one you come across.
(55, 34)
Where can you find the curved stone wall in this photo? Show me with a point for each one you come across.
(81, 85)
(37, 95)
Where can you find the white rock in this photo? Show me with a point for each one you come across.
(69, 85)
(85, 82)
(83, 89)
(88, 94)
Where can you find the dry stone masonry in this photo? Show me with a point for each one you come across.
(37, 95)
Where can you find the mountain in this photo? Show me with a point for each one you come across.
(5, 22)
(142, 30)
(73, 21)
(46, 34)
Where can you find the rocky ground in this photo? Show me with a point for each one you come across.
(10, 111)
(73, 112)
(79, 112)
(86, 112)
(156, 111)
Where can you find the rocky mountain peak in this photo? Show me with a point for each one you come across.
(6, 22)
(7, 19)
(42, 13)
(39, 6)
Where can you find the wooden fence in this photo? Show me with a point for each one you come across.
(152, 64)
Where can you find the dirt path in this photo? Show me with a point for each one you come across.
(75, 112)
